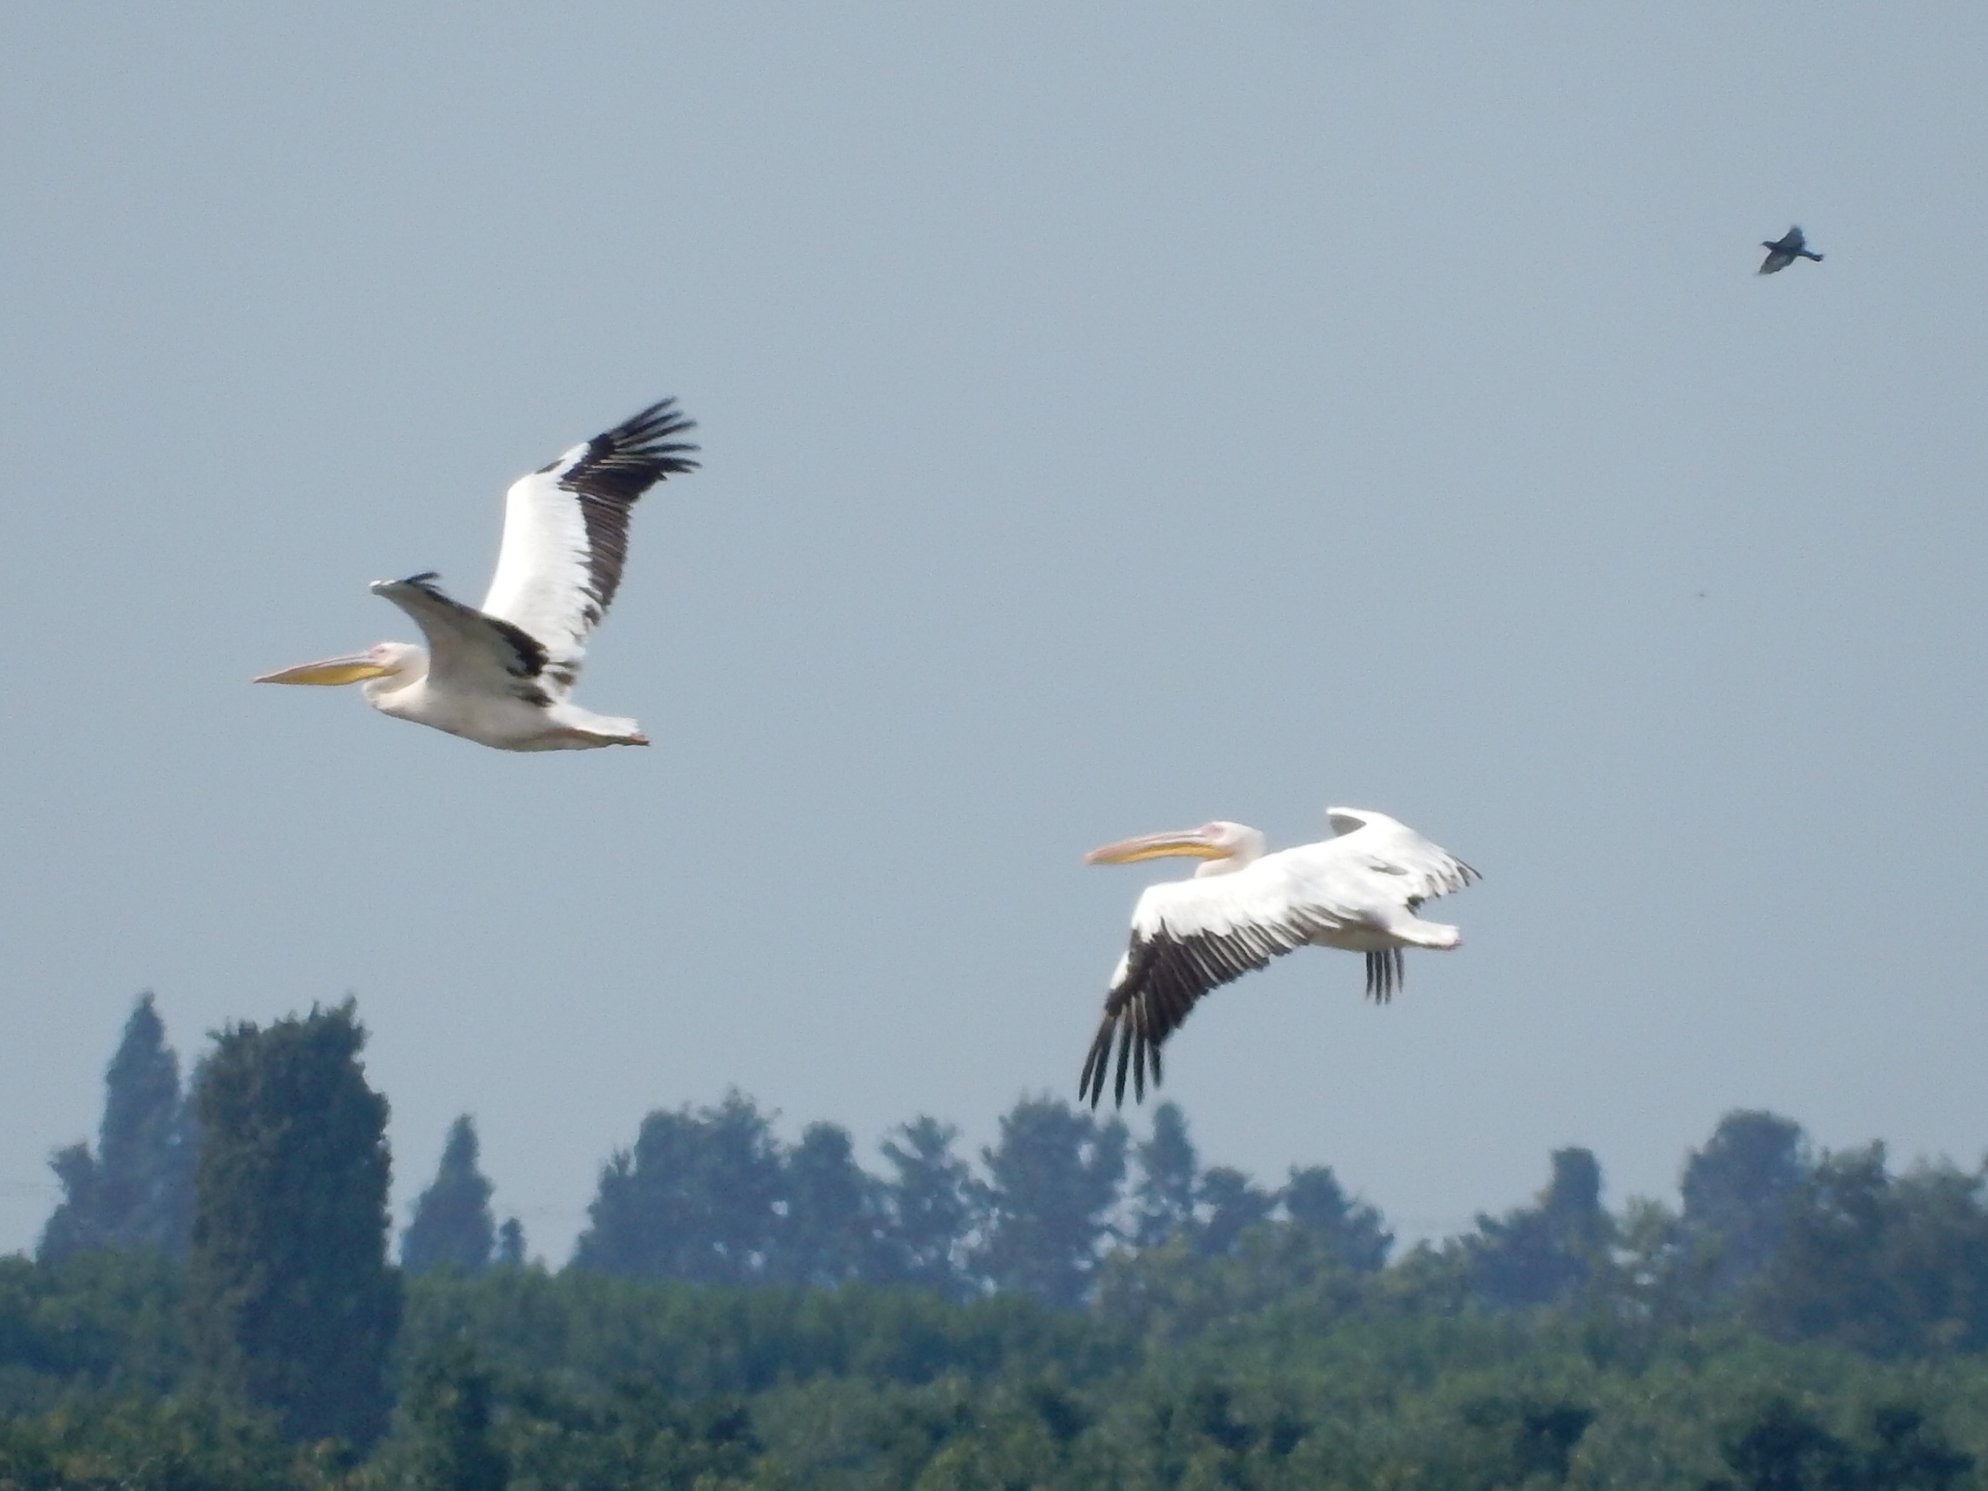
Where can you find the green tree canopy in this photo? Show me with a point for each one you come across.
(1542, 1253)
(1737, 1191)
(695, 1199)
(452, 1224)
(137, 1190)
(291, 1304)
(1355, 1232)
(1169, 1172)
(1231, 1204)
(1053, 1181)
(829, 1232)
(929, 1209)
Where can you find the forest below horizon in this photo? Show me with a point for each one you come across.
(1077, 1309)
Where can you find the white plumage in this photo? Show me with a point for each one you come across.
(502, 675)
(1243, 907)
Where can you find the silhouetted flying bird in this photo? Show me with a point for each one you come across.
(1791, 247)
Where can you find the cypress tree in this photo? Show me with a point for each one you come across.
(291, 1304)
(137, 1190)
(511, 1244)
(452, 1222)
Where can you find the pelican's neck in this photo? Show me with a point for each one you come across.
(412, 669)
(1249, 849)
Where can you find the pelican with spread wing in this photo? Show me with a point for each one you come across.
(503, 675)
(1357, 891)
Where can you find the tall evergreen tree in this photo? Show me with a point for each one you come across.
(1231, 1204)
(76, 1224)
(1169, 1172)
(928, 1209)
(290, 1300)
(452, 1224)
(695, 1198)
(829, 1232)
(137, 1190)
(1053, 1181)
(1314, 1201)
(511, 1243)
(1737, 1193)
(1540, 1254)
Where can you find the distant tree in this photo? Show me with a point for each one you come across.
(695, 1199)
(929, 1209)
(1891, 1266)
(511, 1243)
(1231, 1204)
(1542, 1253)
(137, 1191)
(1827, 1277)
(452, 1224)
(76, 1224)
(1781, 1446)
(1169, 1172)
(446, 1441)
(1908, 1454)
(1737, 1191)
(1935, 1259)
(291, 1304)
(829, 1231)
(1053, 1181)
(1314, 1201)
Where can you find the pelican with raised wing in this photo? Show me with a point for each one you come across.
(503, 675)
(1358, 891)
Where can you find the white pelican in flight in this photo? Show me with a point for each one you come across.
(503, 675)
(1243, 907)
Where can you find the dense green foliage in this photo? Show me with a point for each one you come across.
(452, 1226)
(136, 1191)
(289, 1298)
(1076, 1311)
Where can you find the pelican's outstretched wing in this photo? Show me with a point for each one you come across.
(468, 650)
(1390, 847)
(1190, 936)
(566, 533)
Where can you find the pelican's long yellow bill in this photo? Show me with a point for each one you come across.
(350, 669)
(1193, 842)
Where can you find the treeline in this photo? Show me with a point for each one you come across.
(212, 1301)
(711, 1195)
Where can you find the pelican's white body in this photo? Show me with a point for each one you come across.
(502, 674)
(1243, 907)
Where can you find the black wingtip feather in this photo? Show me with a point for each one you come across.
(1125, 1042)
(1091, 1083)
(615, 469)
(621, 464)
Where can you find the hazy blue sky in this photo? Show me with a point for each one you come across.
(1114, 416)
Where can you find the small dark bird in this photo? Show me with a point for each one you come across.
(1791, 247)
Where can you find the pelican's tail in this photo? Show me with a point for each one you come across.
(1415, 932)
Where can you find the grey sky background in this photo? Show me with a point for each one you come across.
(1114, 416)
